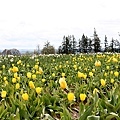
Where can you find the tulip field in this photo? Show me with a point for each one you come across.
(60, 87)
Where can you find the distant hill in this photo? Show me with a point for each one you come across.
(22, 51)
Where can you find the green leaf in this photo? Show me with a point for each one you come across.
(112, 115)
(66, 114)
(24, 114)
(87, 113)
(109, 106)
(117, 107)
(81, 106)
(1, 108)
(3, 113)
(17, 117)
(113, 100)
(93, 117)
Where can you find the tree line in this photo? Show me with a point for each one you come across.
(87, 45)
(70, 45)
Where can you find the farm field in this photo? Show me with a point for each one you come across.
(60, 87)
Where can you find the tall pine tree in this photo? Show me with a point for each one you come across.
(84, 43)
(96, 39)
(106, 44)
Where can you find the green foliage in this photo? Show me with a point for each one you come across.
(52, 102)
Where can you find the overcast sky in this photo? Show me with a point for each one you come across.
(26, 23)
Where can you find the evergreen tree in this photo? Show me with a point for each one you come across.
(80, 45)
(74, 43)
(112, 45)
(84, 43)
(89, 45)
(59, 50)
(67, 45)
(117, 45)
(97, 46)
(106, 44)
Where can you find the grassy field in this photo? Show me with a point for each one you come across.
(60, 87)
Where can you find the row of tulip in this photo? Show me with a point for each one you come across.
(65, 87)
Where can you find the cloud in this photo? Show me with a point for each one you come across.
(27, 23)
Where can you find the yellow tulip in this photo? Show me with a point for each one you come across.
(17, 86)
(15, 75)
(38, 90)
(5, 78)
(33, 71)
(60, 66)
(40, 70)
(82, 97)
(31, 84)
(116, 74)
(29, 74)
(80, 75)
(14, 80)
(105, 74)
(6, 82)
(91, 74)
(3, 94)
(63, 74)
(98, 63)
(25, 96)
(75, 66)
(62, 83)
(19, 62)
(53, 74)
(84, 76)
(70, 96)
(107, 67)
(112, 80)
(36, 67)
(67, 62)
(15, 69)
(93, 70)
(111, 72)
(43, 80)
(33, 76)
(18, 78)
(3, 66)
(114, 60)
(103, 82)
